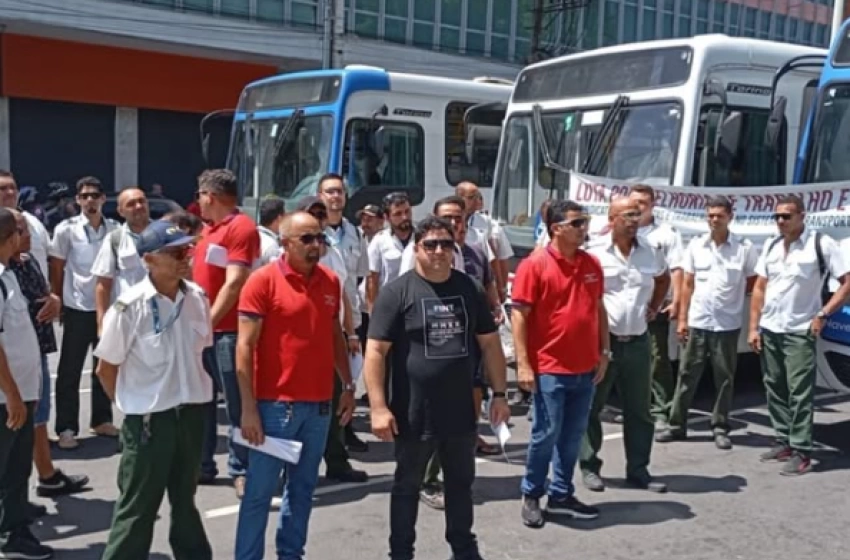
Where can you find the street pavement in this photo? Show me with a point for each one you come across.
(720, 505)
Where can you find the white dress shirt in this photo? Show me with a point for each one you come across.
(385, 252)
(270, 248)
(39, 243)
(77, 243)
(18, 339)
(122, 264)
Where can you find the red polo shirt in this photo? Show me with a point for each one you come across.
(563, 325)
(234, 240)
(294, 356)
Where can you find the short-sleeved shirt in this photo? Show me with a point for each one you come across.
(346, 239)
(432, 328)
(475, 264)
(666, 239)
(35, 288)
(720, 281)
(270, 248)
(490, 230)
(563, 301)
(77, 243)
(385, 253)
(39, 242)
(294, 355)
(232, 241)
(629, 282)
(793, 294)
(120, 262)
(158, 345)
(18, 339)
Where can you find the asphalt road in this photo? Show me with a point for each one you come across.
(721, 505)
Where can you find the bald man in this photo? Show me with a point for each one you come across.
(636, 283)
(118, 265)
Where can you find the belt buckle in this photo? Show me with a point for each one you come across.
(624, 338)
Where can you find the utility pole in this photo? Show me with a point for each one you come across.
(837, 16)
(536, 30)
(332, 33)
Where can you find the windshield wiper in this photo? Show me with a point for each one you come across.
(537, 115)
(610, 123)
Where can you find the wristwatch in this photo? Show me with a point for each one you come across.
(821, 314)
(499, 395)
(607, 353)
(348, 388)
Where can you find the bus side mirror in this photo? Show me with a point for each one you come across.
(215, 130)
(773, 129)
(378, 141)
(730, 133)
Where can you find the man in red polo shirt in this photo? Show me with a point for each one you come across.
(290, 343)
(222, 261)
(560, 330)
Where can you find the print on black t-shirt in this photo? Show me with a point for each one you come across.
(446, 324)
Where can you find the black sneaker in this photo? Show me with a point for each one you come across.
(350, 475)
(23, 546)
(532, 515)
(798, 464)
(355, 444)
(60, 484)
(779, 452)
(571, 507)
(34, 511)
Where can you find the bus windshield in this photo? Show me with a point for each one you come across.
(640, 148)
(290, 159)
(830, 141)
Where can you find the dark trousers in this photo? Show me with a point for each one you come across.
(166, 460)
(663, 381)
(79, 334)
(457, 455)
(336, 455)
(15, 470)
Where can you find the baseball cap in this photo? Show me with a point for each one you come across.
(371, 210)
(161, 234)
(308, 202)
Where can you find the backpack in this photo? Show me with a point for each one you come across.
(825, 294)
(114, 243)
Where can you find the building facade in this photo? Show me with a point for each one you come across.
(117, 88)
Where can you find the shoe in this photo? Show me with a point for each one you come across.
(645, 482)
(433, 498)
(239, 486)
(107, 429)
(779, 452)
(23, 546)
(351, 475)
(207, 479)
(798, 464)
(532, 515)
(571, 507)
(60, 484)
(355, 444)
(68, 440)
(520, 398)
(34, 511)
(593, 482)
(669, 435)
(722, 441)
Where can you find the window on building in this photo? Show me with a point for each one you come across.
(610, 30)
(521, 50)
(268, 10)
(239, 8)
(669, 5)
(821, 38)
(395, 8)
(718, 20)
(475, 43)
(386, 156)
(750, 22)
(649, 4)
(395, 29)
(365, 24)
(685, 7)
(630, 17)
(648, 31)
(808, 28)
(304, 13)
(702, 27)
(476, 15)
(450, 12)
(702, 9)
(499, 47)
(684, 29)
(198, 6)
(423, 35)
(368, 6)
(764, 25)
(425, 10)
(502, 17)
(449, 39)
(734, 18)
(780, 27)
(589, 39)
(752, 165)
(793, 29)
(667, 26)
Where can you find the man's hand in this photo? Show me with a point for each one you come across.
(252, 427)
(672, 310)
(354, 346)
(499, 411)
(755, 341)
(51, 306)
(651, 314)
(498, 316)
(383, 424)
(818, 324)
(601, 369)
(346, 407)
(525, 377)
(683, 332)
(16, 411)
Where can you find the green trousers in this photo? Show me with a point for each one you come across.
(721, 349)
(336, 455)
(167, 459)
(789, 370)
(630, 372)
(662, 372)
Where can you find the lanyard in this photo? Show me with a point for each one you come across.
(158, 327)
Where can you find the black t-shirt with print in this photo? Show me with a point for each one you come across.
(432, 327)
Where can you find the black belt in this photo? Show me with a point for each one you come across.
(627, 338)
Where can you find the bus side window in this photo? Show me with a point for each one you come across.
(471, 150)
(753, 164)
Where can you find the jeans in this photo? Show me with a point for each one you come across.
(457, 455)
(42, 409)
(220, 363)
(561, 410)
(308, 423)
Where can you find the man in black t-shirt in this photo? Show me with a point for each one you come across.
(425, 320)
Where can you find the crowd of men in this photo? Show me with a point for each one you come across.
(273, 315)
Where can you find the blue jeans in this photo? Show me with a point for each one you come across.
(308, 423)
(220, 363)
(561, 408)
(42, 408)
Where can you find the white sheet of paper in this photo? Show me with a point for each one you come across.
(216, 255)
(355, 362)
(284, 449)
(503, 434)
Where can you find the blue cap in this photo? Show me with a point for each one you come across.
(161, 234)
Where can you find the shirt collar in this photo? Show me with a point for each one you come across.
(227, 219)
(731, 240)
(149, 291)
(267, 231)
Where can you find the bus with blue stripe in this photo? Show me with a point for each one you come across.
(384, 132)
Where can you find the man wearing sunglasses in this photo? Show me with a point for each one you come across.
(76, 242)
(428, 322)
(151, 365)
(636, 284)
(788, 311)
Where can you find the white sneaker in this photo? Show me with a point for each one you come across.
(67, 440)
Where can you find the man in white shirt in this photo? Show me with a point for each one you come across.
(20, 389)
(151, 366)
(719, 270)
(118, 266)
(272, 210)
(666, 239)
(40, 242)
(788, 311)
(636, 281)
(386, 248)
(76, 242)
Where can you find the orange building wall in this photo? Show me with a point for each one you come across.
(49, 69)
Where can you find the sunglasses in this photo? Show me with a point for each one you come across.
(90, 196)
(577, 223)
(782, 217)
(311, 238)
(430, 245)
